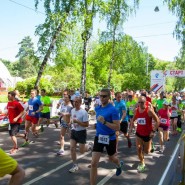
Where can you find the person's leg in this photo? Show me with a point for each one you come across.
(40, 121)
(166, 135)
(94, 165)
(17, 176)
(147, 146)
(139, 146)
(82, 148)
(13, 132)
(179, 123)
(73, 150)
(175, 125)
(62, 134)
(114, 159)
(160, 131)
(33, 129)
(117, 140)
(27, 129)
(14, 141)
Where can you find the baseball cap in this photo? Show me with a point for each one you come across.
(165, 102)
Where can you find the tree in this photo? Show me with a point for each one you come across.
(177, 7)
(59, 13)
(28, 62)
(115, 12)
(89, 13)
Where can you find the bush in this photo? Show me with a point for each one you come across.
(26, 86)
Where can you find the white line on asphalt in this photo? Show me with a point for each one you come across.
(105, 179)
(54, 170)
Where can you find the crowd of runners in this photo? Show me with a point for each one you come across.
(137, 112)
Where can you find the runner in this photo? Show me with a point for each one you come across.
(10, 166)
(174, 115)
(45, 113)
(159, 102)
(107, 123)
(79, 121)
(144, 133)
(180, 113)
(163, 130)
(122, 110)
(131, 105)
(87, 101)
(65, 113)
(183, 112)
(15, 113)
(60, 102)
(72, 94)
(34, 108)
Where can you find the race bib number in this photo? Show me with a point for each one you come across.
(9, 127)
(163, 121)
(86, 106)
(30, 107)
(141, 121)
(131, 108)
(104, 139)
(174, 113)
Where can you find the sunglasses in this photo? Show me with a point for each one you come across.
(142, 102)
(103, 96)
(64, 94)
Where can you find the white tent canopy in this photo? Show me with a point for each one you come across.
(5, 77)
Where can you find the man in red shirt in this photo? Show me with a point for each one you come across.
(144, 133)
(144, 93)
(15, 113)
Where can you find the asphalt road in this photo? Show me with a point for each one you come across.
(43, 167)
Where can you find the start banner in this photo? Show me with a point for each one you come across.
(174, 73)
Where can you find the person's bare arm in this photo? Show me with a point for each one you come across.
(115, 125)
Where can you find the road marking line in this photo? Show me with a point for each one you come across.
(54, 170)
(105, 179)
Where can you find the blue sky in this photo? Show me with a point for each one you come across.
(153, 28)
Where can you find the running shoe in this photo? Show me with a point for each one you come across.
(60, 152)
(119, 169)
(161, 149)
(179, 129)
(42, 128)
(153, 148)
(74, 168)
(129, 143)
(25, 143)
(90, 146)
(141, 168)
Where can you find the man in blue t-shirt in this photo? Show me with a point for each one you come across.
(107, 123)
(122, 109)
(34, 108)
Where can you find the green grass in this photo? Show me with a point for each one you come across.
(3, 98)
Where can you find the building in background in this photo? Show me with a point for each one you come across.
(6, 80)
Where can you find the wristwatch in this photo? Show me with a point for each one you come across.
(104, 122)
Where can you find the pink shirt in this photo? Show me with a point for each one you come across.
(164, 119)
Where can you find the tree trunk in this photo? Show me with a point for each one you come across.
(46, 57)
(112, 58)
(84, 64)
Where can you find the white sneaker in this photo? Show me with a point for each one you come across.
(161, 149)
(60, 152)
(90, 146)
(74, 168)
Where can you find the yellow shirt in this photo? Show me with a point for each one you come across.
(7, 164)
